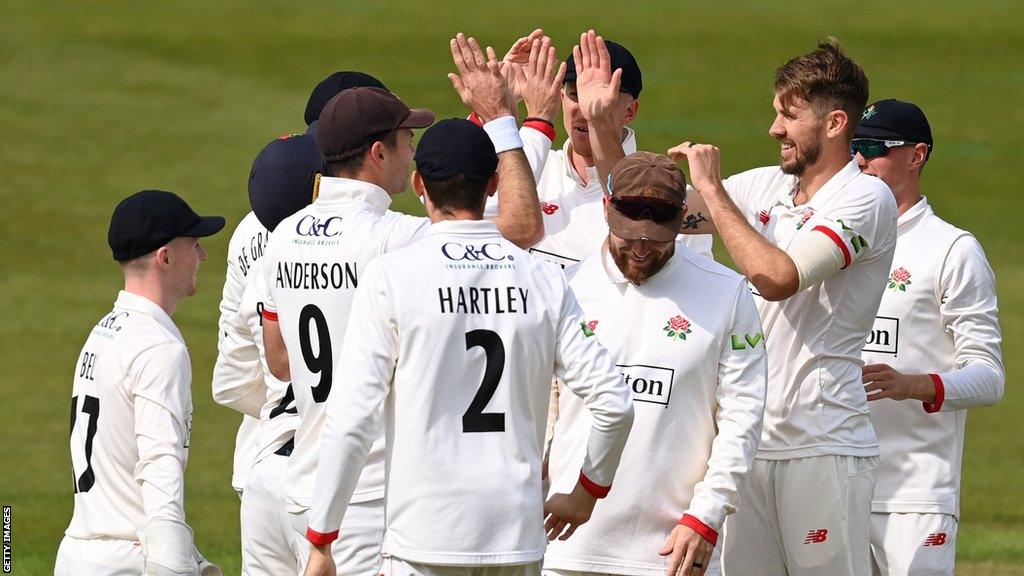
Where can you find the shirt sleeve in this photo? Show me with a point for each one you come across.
(586, 368)
(402, 230)
(536, 146)
(742, 380)
(234, 284)
(968, 310)
(238, 380)
(862, 224)
(353, 417)
(163, 415)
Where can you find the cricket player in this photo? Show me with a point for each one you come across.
(450, 348)
(934, 352)
(568, 184)
(131, 405)
(246, 246)
(815, 238)
(317, 258)
(684, 332)
(281, 182)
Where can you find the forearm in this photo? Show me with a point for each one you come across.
(606, 144)
(273, 345)
(768, 268)
(519, 217)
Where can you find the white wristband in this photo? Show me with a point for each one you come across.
(504, 134)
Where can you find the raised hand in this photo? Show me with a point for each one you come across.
(705, 161)
(541, 80)
(597, 86)
(519, 56)
(483, 81)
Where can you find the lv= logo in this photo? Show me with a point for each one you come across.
(746, 340)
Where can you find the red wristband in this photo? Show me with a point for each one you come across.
(545, 128)
(706, 532)
(319, 538)
(595, 489)
(940, 395)
(269, 315)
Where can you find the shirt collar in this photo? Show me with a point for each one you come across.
(339, 190)
(143, 305)
(837, 182)
(473, 227)
(628, 146)
(911, 216)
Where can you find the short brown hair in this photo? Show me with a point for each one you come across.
(828, 80)
(457, 193)
(353, 162)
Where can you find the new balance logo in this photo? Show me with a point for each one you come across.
(816, 536)
(935, 539)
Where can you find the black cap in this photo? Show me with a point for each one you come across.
(632, 80)
(328, 87)
(149, 219)
(357, 116)
(894, 120)
(282, 178)
(455, 146)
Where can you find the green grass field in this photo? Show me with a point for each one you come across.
(100, 99)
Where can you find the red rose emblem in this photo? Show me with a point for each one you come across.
(679, 324)
(763, 217)
(900, 275)
(548, 209)
(592, 324)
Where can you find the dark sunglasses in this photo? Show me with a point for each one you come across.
(870, 148)
(645, 208)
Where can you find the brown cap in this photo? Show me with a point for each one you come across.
(647, 195)
(357, 116)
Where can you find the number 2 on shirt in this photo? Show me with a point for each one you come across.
(475, 419)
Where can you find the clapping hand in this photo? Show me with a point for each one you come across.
(597, 86)
(540, 80)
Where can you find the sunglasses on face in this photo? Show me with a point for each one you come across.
(870, 148)
(645, 208)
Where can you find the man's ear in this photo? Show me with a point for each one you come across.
(836, 123)
(631, 111)
(492, 184)
(162, 257)
(606, 201)
(920, 155)
(378, 153)
(418, 186)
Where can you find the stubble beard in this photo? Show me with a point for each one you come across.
(802, 159)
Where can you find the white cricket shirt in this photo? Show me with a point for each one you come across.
(816, 403)
(459, 335)
(313, 264)
(573, 212)
(131, 413)
(244, 249)
(688, 342)
(938, 315)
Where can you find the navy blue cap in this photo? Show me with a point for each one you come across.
(893, 119)
(330, 86)
(282, 178)
(632, 79)
(453, 147)
(150, 219)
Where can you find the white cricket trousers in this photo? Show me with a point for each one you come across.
(714, 568)
(913, 544)
(802, 517)
(100, 557)
(356, 552)
(392, 566)
(268, 548)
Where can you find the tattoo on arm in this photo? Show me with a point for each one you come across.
(693, 220)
